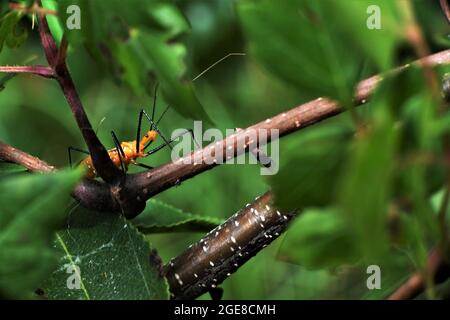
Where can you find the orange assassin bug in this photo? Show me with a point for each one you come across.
(126, 153)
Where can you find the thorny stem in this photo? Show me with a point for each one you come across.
(208, 262)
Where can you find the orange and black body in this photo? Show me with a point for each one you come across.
(130, 154)
(126, 153)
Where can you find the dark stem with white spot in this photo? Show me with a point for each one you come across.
(207, 263)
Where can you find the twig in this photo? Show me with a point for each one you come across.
(14, 155)
(42, 71)
(437, 268)
(34, 8)
(57, 61)
(446, 9)
(92, 194)
(207, 263)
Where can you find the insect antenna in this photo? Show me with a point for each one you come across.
(156, 124)
(138, 133)
(162, 115)
(217, 62)
(154, 103)
(153, 125)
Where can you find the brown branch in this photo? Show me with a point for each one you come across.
(34, 8)
(14, 155)
(57, 60)
(42, 71)
(446, 9)
(438, 268)
(208, 262)
(47, 41)
(91, 194)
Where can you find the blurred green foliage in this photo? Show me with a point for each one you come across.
(33, 208)
(363, 189)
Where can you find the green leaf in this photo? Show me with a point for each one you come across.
(54, 23)
(319, 239)
(138, 39)
(110, 257)
(366, 190)
(32, 208)
(436, 202)
(161, 217)
(8, 30)
(5, 79)
(310, 168)
(353, 18)
(319, 46)
(7, 169)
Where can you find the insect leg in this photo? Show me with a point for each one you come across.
(138, 134)
(156, 128)
(261, 157)
(193, 137)
(141, 113)
(154, 102)
(70, 149)
(168, 142)
(142, 165)
(119, 150)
